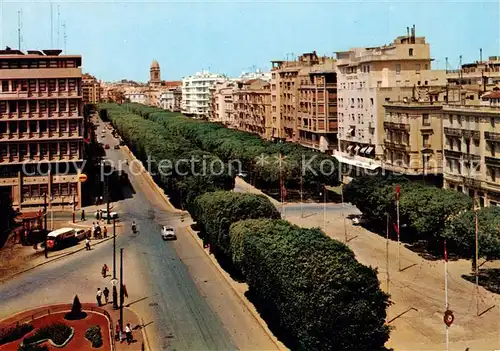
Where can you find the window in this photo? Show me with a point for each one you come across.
(425, 119)
(371, 101)
(410, 52)
(5, 85)
(426, 140)
(398, 68)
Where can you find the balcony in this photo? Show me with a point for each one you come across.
(471, 134)
(396, 146)
(492, 136)
(452, 154)
(452, 132)
(396, 126)
(492, 161)
(471, 182)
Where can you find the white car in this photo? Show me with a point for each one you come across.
(242, 174)
(168, 233)
(104, 214)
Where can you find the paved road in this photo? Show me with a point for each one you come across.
(181, 317)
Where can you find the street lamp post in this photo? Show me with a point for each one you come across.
(115, 293)
(121, 289)
(107, 200)
(74, 205)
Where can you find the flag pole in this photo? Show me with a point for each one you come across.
(446, 293)
(387, 254)
(398, 189)
(477, 251)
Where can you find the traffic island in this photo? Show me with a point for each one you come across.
(47, 326)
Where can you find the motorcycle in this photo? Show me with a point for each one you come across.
(134, 229)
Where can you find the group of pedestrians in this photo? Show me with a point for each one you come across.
(97, 232)
(121, 335)
(100, 293)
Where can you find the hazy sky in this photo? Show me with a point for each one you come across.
(119, 39)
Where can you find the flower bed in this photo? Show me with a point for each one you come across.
(14, 333)
(58, 334)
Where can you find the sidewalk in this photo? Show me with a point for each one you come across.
(17, 259)
(136, 324)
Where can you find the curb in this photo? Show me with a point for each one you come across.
(143, 330)
(51, 260)
(152, 183)
(245, 302)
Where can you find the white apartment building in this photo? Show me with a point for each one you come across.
(196, 93)
(135, 95)
(368, 78)
(258, 74)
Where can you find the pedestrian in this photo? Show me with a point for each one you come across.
(87, 244)
(118, 331)
(106, 294)
(82, 218)
(105, 231)
(98, 297)
(98, 215)
(128, 333)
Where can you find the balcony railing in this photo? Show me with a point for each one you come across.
(452, 131)
(492, 136)
(492, 161)
(452, 153)
(396, 146)
(471, 134)
(398, 126)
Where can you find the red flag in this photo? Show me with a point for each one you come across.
(396, 229)
(398, 189)
(445, 252)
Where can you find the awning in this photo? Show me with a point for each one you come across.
(349, 131)
(356, 149)
(349, 148)
(369, 150)
(371, 165)
(363, 149)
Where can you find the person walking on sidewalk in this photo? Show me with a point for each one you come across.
(128, 333)
(98, 297)
(87, 243)
(105, 292)
(82, 217)
(118, 332)
(105, 232)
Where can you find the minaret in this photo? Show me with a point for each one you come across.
(154, 74)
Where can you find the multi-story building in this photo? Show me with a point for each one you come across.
(196, 93)
(221, 103)
(368, 78)
(136, 95)
(41, 127)
(252, 107)
(286, 79)
(482, 74)
(154, 75)
(91, 89)
(170, 99)
(317, 111)
(472, 148)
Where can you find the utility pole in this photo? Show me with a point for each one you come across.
(121, 289)
(19, 29)
(45, 210)
(343, 211)
(115, 293)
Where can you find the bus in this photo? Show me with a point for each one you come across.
(61, 238)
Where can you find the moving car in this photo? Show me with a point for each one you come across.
(106, 146)
(81, 234)
(116, 147)
(168, 233)
(104, 214)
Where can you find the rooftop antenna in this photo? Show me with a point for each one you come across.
(51, 27)
(64, 31)
(480, 55)
(19, 29)
(58, 16)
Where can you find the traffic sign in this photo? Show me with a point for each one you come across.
(448, 318)
(82, 178)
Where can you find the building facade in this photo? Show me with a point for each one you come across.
(368, 78)
(154, 74)
(472, 149)
(91, 89)
(196, 93)
(222, 103)
(41, 127)
(252, 107)
(170, 99)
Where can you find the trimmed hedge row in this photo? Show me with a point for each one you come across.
(57, 332)
(161, 152)
(94, 335)
(258, 157)
(311, 286)
(216, 211)
(14, 333)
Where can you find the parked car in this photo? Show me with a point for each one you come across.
(168, 233)
(81, 234)
(106, 146)
(358, 220)
(116, 147)
(104, 214)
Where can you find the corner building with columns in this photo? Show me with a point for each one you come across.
(41, 128)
